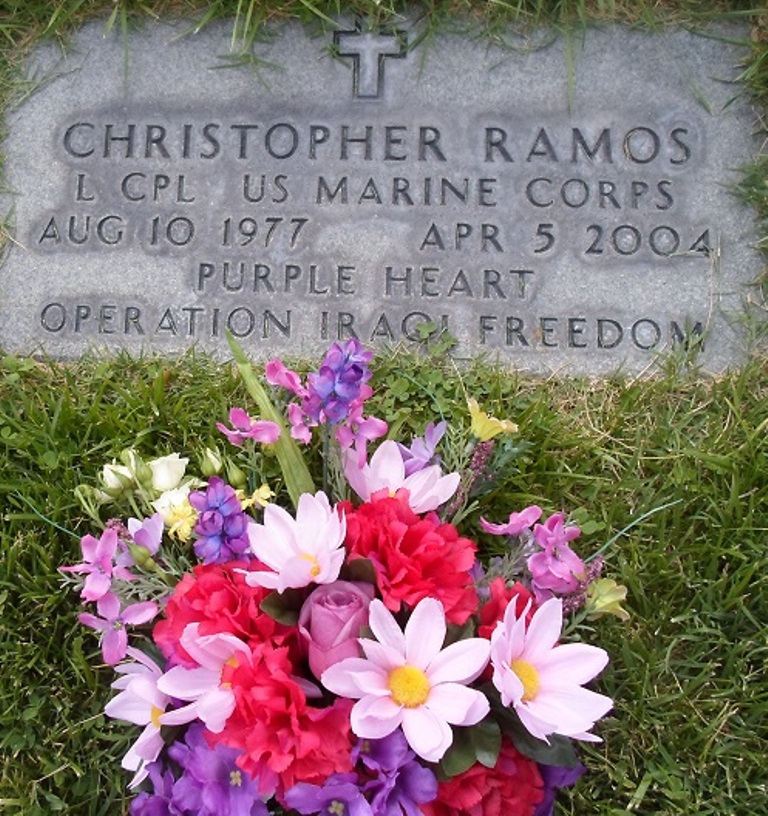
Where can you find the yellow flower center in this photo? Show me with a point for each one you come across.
(529, 677)
(235, 778)
(315, 569)
(154, 716)
(336, 808)
(409, 686)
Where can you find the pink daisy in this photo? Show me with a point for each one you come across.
(407, 679)
(541, 679)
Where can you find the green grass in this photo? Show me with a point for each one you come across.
(687, 671)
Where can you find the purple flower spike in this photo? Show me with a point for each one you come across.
(222, 525)
(334, 394)
(339, 382)
(112, 623)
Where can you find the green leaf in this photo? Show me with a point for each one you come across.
(559, 751)
(456, 632)
(359, 569)
(476, 743)
(459, 757)
(284, 607)
(295, 471)
(486, 738)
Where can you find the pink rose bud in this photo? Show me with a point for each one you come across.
(330, 622)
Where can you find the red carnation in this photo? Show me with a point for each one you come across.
(414, 557)
(283, 739)
(492, 611)
(217, 597)
(513, 788)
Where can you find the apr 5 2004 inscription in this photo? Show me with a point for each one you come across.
(358, 186)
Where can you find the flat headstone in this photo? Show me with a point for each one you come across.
(563, 206)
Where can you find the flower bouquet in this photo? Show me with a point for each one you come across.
(346, 654)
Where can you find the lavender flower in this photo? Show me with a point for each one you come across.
(555, 777)
(401, 783)
(339, 796)
(212, 784)
(222, 525)
(157, 803)
(421, 452)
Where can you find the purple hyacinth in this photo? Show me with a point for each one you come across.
(212, 784)
(222, 525)
(339, 382)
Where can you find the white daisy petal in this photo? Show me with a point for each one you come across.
(456, 704)
(461, 662)
(425, 633)
(384, 626)
(543, 680)
(427, 734)
(355, 677)
(375, 717)
(544, 629)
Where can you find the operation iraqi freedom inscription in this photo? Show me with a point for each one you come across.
(380, 195)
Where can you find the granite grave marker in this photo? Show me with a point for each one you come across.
(355, 185)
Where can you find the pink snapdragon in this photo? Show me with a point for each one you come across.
(245, 427)
(555, 569)
(112, 623)
(98, 565)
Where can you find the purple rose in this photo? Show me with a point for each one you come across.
(330, 621)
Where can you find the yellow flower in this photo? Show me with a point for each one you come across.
(181, 520)
(260, 497)
(604, 597)
(485, 427)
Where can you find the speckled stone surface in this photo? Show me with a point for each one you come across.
(562, 221)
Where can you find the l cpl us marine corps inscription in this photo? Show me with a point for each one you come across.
(380, 193)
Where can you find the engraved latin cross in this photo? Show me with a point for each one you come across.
(368, 51)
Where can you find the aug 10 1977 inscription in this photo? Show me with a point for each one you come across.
(355, 186)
